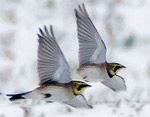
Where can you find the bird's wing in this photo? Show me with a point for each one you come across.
(52, 65)
(91, 47)
(116, 83)
(78, 102)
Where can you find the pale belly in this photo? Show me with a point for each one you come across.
(92, 74)
(57, 94)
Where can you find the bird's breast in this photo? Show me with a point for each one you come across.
(57, 93)
(93, 73)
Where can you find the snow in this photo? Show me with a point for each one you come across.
(116, 21)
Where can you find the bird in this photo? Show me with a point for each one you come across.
(54, 73)
(93, 66)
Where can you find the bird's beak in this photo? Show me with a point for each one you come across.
(87, 85)
(124, 67)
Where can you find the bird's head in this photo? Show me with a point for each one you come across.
(78, 87)
(114, 68)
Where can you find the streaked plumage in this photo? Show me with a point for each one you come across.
(54, 74)
(92, 54)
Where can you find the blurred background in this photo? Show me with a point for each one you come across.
(124, 25)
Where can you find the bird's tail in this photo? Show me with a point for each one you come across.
(19, 96)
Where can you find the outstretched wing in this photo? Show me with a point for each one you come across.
(116, 83)
(91, 47)
(52, 65)
(79, 102)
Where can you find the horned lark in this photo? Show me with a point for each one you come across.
(92, 55)
(55, 82)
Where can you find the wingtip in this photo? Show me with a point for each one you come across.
(51, 28)
(45, 28)
(76, 13)
(80, 8)
(78, 5)
(52, 31)
(90, 106)
(83, 5)
(75, 10)
(39, 36)
(40, 30)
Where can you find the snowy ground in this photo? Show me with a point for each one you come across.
(124, 27)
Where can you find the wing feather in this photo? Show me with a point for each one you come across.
(91, 47)
(79, 102)
(52, 64)
(116, 83)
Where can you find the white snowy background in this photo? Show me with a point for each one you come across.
(124, 26)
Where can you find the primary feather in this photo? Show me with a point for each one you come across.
(52, 65)
(92, 48)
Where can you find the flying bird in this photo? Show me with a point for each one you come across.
(93, 66)
(54, 73)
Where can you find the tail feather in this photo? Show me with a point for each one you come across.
(17, 96)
